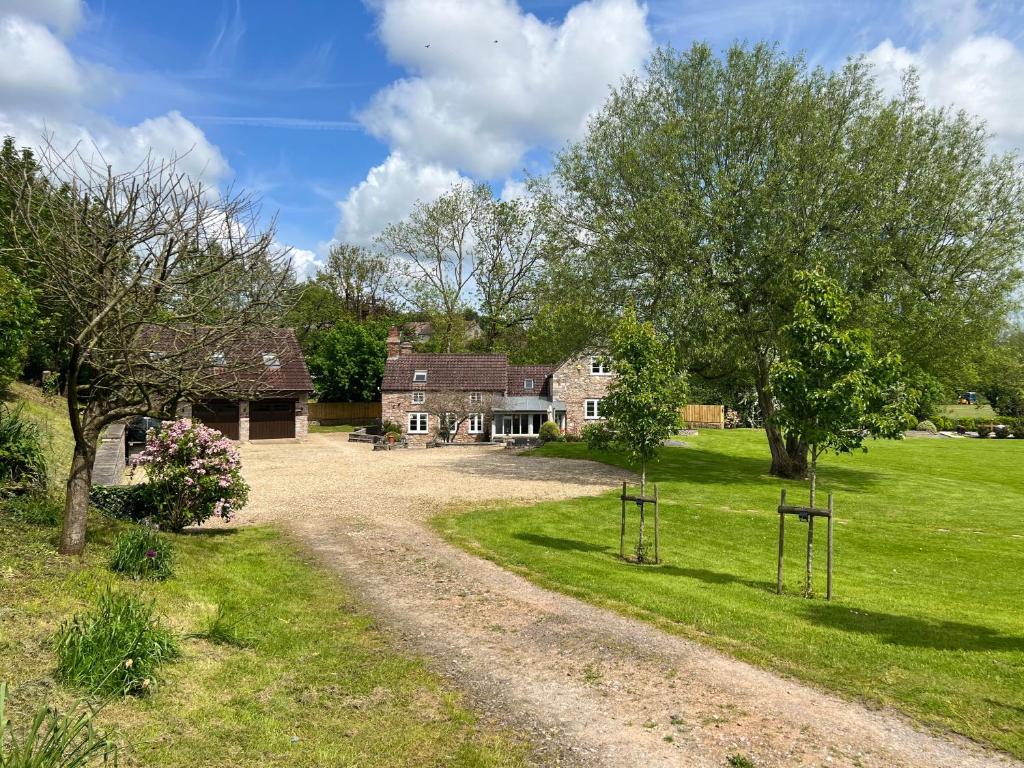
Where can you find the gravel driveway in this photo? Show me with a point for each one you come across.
(590, 687)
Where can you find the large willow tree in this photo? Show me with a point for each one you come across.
(699, 189)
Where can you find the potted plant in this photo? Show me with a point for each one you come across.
(392, 437)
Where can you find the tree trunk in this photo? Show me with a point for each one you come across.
(76, 505)
(640, 558)
(789, 456)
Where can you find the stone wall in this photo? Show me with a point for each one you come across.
(395, 406)
(573, 383)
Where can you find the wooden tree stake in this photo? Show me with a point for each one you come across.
(782, 538)
(828, 577)
(657, 554)
(622, 530)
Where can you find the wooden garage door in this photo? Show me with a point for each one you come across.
(271, 418)
(221, 415)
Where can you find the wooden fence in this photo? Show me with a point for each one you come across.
(706, 416)
(357, 414)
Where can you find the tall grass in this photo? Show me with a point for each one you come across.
(23, 460)
(141, 553)
(54, 740)
(115, 649)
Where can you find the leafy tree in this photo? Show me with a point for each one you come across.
(315, 309)
(1002, 380)
(347, 362)
(17, 315)
(832, 389)
(699, 189)
(145, 272)
(642, 407)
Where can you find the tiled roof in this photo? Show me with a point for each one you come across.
(485, 373)
(541, 375)
(241, 362)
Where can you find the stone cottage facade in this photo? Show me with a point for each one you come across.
(514, 400)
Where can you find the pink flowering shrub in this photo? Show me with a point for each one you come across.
(193, 474)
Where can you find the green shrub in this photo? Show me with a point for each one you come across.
(23, 460)
(35, 508)
(927, 426)
(549, 432)
(597, 437)
(53, 740)
(124, 502)
(140, 552)
(114, 649)
(1002, 431)
(390, 426)
(983, 430)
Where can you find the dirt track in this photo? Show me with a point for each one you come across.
(591, 688)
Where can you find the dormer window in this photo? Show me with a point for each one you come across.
(218, 360)
(527, 384)
(271, 360)
(599, 367)
(419, 376)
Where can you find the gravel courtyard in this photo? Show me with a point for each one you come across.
(590, 687)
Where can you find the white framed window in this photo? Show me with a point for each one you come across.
(418, 424)
(476, 423)
(271, 360)
(475, 398)
(218, 359)
(419, 376)
(451, 421)
(419, 398)
(599, 367)
(527, 384)
(592, 409)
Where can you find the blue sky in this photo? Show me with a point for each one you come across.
(341, 114)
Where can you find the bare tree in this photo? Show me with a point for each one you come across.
(453, 409)
(358, 276)
(433, 254)
(509, 253)
(158, 279)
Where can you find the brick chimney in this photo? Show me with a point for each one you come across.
(405, 348)
(394, 342)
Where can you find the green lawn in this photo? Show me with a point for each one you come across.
(929, 609)
(969, 411)
(332, 428)
(318, 685)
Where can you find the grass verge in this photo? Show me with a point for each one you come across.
(929, 565)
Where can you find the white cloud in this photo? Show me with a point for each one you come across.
(63, 15)
(963, 67)
(46, 92)
(480, 105)
(388, 194)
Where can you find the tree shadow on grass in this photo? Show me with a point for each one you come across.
(913, 632)
(715, 577)
(564, 545)
(209, 533)
(703, 466)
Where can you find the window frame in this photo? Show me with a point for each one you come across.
(477, 418)
(422, 419)
(598, 367)
(475, 398)
(419, 376)
(528, 385)
(271, 360)
(419, 397)
(596, 401)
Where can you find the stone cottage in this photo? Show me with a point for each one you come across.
(514, 399)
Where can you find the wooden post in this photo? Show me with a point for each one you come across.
(828, 577)
(657, 554)
(622, 530)
(782, 537)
